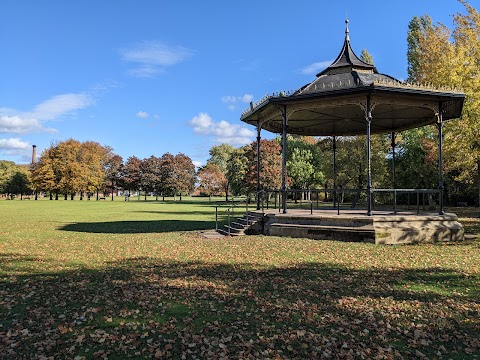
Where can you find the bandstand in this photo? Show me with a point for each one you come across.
(351, 98)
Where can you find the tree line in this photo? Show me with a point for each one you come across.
(88, 168)
(436, 55)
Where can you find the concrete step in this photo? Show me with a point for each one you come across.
(244, 221)
(237, 225)
(232, 233)
(234, 230)
(325, 232)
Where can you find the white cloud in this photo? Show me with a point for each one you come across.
(142, 114)
(15, 147)
(17, 122)
(232, 100)
(315, 68)
(13, 144)
(222, 132)
(153, 57)
(197, 163)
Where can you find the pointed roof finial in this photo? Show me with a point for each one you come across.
(347, 37)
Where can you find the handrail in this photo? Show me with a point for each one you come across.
(230, 211)
(338, 191)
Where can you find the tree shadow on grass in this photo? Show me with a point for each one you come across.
(138, 227)
(144, 306)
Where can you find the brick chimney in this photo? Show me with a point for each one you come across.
(34, 154)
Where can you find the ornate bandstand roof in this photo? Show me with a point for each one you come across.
(335, 102)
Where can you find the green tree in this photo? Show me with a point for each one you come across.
(236, 171)
(7, 170)
(366, 57)
(220, 155)
(452, 58)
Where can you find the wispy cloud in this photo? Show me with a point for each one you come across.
(231, 101)
(315, 68)
(14, 147)
(222, 131)
(143, 114)
(17, 122)
(61, 105)
(248, 64)
(151, 58)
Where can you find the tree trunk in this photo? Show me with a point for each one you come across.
(81, 195)
(97, 195)
(72, 196)
(478, 176)
(180, 196)
(145, 198)
(65, 196)
(113, 188)
(56, 196)
(174, 196)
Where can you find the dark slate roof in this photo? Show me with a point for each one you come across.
(347, 58)
(331, 103)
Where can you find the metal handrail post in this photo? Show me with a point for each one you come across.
(395, 202)
(228, 214)
(418, 202)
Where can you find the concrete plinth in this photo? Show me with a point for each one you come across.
(354, 225)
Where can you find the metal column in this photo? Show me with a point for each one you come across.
(284, 159)
(258, 165)
(368, 118)
(440, 156)
(334, 146)
(393, 144)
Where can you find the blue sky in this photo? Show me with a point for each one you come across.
(148, 77)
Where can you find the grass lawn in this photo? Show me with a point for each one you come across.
(116, 280)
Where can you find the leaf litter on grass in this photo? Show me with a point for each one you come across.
(175, 295)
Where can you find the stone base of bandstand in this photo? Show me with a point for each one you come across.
(383, 227)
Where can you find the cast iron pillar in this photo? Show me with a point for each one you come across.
(394, 184)
(368, 118)
(334, 146)
(258, 165)
(284, 159)
(440, 156)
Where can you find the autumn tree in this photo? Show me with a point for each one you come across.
(211, 179)
(270, 165)
(150, 174)
(452, 58)
(113, 171)
(44, 177)
(131, 174)
(184, 174)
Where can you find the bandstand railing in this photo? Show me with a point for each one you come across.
(328, 198)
